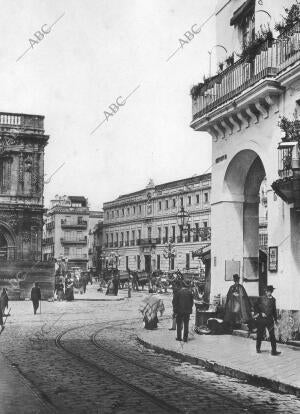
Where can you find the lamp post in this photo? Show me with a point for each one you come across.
(169, 252)
(210, 53)
(183, 218)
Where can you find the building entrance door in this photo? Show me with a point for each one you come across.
(148, 263)
(262, 272)
(3, 247)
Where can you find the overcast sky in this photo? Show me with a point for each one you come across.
(98, 51)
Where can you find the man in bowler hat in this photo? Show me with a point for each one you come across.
(183, 307)
(35, 297)
(265, 317)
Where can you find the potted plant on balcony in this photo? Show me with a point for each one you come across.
(230, 60)
(290, 128)
(261, 41)
(291, 18)
(196, 90)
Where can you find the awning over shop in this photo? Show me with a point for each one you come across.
(203, 253)
(242, 11)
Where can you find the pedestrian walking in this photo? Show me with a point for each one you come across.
(183, 306)
(60, 290)
(35, 297)
(266, 316)
(175, 286)
(4, 300)
(116, 281)
(238, 306)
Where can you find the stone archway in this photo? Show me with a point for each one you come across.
(243, 179)
(235, 221)
(7, 243)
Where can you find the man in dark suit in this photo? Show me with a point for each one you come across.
(265, 317)
(183, 307)
(35, 297)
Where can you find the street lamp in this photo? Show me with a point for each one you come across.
(183, 218)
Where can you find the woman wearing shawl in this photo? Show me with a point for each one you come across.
(152, 304)
(69, 288)
(238, 306)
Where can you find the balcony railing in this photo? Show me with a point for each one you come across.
(127, 243)
(148, 241)
(195, 238)
(179, 239)
(273, 58)
(121, 243)
(75, 257)
(74, 241)
(79, 224)
(132, 242)
(22, 121)
(116, 244)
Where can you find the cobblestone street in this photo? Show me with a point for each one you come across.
(83, 357)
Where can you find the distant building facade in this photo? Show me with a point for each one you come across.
(94, 239)
(66, 231)
(138, 225)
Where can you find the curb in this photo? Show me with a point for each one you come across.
(98, 300)
(225, 370)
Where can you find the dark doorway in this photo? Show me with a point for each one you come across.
(3, 247)
(262, 272)
(148, 263)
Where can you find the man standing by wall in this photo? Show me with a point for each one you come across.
(265, 318)
(183, 307)
(35, 297)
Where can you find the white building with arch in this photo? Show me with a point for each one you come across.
(241, 107)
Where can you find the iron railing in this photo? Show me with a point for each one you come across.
(273, 58)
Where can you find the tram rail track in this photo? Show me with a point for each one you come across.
(145, 394)
(164, 374)
(142, 366)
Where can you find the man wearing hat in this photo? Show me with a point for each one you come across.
(183, 307)
(265, 317)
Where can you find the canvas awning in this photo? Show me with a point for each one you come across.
(243, 10)
(203, 253)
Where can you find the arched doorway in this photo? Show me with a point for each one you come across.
(242, 185)
(7, 244)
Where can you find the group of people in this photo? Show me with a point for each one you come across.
(262, 315)
(65, 285)
(238, 309)
(182, 308)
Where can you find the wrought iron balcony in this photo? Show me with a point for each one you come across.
(179, 239)
(148, 241)
(287, 186)
(121, 243)
(68, 224)
(77, 257)
(132, 242)
(273, 58)
(74, 241)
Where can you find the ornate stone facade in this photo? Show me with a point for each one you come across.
(22, 144)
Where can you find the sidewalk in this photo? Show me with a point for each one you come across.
(231, 355)
(16, 394)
